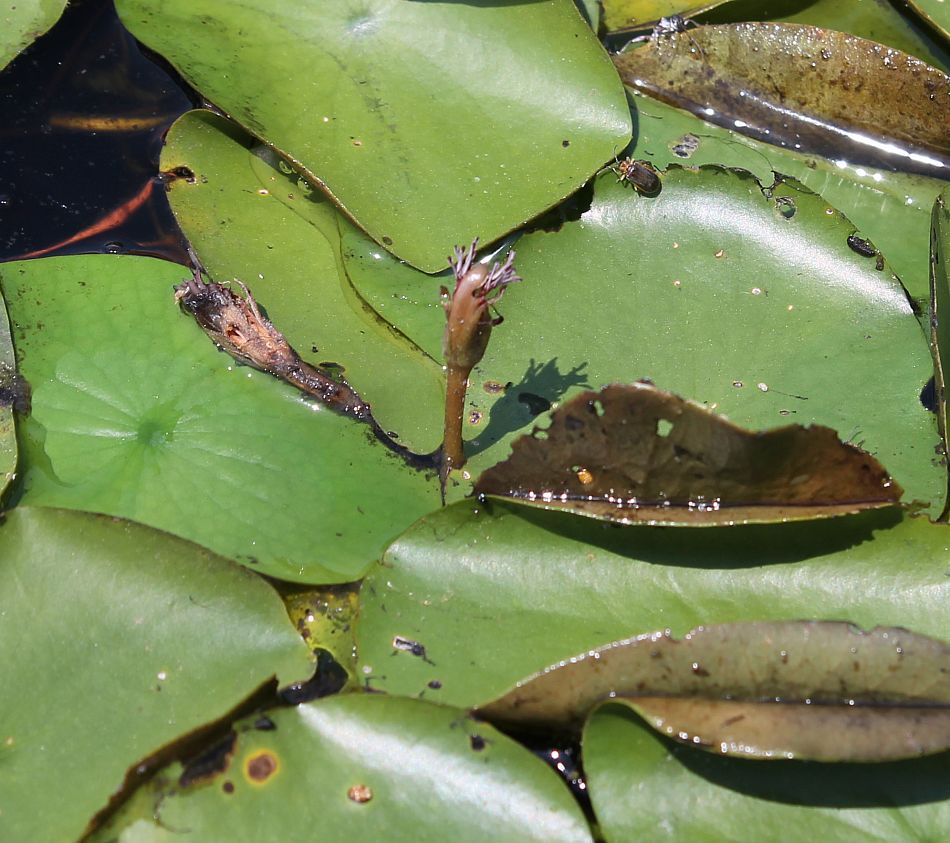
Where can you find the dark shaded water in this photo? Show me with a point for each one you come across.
(82, 115)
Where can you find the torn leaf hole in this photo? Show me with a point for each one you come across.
(209, 763)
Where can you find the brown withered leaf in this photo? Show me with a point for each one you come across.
(804, 87)
(817, 690)
(637, 454)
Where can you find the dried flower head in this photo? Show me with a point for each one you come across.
(477, 288)
(496, 278)
(467, 331)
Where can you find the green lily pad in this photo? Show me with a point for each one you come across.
(406, 298)
(715, 293)
(704, 289)
(939, 307)
(644, 787)
(278, 245)
(493, 592)
(591, 11)
(935, 13)
(876, 20)
(136, 414)
(628, 14)
(892, 209)
(816, 690)
(13, 395)
(22, 22)
(362, 768)
(803, 87)
(326, 617)
(117, 640)
(695, 288)
(424, 144)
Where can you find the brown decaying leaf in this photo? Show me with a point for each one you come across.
(802, 86)
(637, 454)
(815, 690)
(238, 327)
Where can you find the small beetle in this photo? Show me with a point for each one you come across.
(640, 174)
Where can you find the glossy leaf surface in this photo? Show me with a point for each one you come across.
(940, 306)
(249, 219)
(890, 209)
(935, 13)
(22, 22)
(626, 14)
(644, 787)
(713, 293)
(591, 11)
(651, 287)
(636, 454)
(326, 618)
(822, 691)
(14, 395)
(136, 414)
(808, 87)
(495, 593)
(423, 143)
(363, 768)
(875, 20)
(117, 640)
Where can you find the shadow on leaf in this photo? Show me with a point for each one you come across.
(885, 785)
(740, 546)
(540, 386)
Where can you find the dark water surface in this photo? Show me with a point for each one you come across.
(82, 116)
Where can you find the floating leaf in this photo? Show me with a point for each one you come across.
(805, 87)
(746, 298)
(136, 414)
(935, 13)
(495, 592)
(626, 14)
(712, 291)
(281, 241)
(645, 787)
(817, 690)
(362, 768)
(117, 640)
(325, 617)
(940, 307)
(406, 298)
(14, 395)
(22, 22)
(891, 209)
(877, 21)
(591, 11)
(425, 146)
(634, 453)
